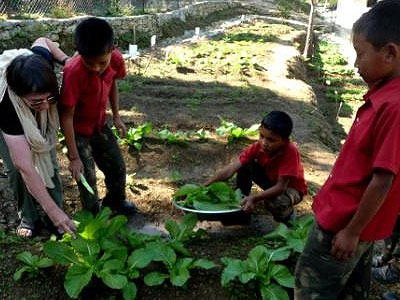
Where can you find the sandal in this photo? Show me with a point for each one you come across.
(23, 231)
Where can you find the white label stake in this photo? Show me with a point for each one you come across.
(133, 51)
(153, 40)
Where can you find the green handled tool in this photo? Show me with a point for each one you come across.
(86, 184)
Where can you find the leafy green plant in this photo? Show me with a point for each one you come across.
(135, 135)
(294, 237)
(181, 232)
(202, 134)
(33, 264)
(170, 137)
(261, 267)
(217, 196)
(178, 268)
(98, 251)
(234, 132)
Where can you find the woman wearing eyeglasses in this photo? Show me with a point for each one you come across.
(28, 133)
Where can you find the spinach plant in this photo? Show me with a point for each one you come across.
(234, 132)
(202, 134)
(261, 268)
(100, 251)
(135, 135)
(33, 264)
(177, 267)
(170, 137)
(182, 232)
(294, 237)
(217, 196)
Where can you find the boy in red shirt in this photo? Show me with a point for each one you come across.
(88, 84)
(359, 202)
(273, 163)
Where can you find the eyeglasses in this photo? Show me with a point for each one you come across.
(37, 102)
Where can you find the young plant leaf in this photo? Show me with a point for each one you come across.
(114, 281)
(273, 292)
(129, 291)
(155, 278)
(18, 274)
(60, 253)
(77, 277)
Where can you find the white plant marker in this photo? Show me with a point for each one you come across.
(242, 18)
(133, 51)
(153, 40)
(197, 31)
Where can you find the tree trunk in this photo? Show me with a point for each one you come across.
(310, 29)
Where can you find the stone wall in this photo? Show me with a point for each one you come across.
(21, 33)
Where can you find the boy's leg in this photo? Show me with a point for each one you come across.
(25, 202)
(89, 201)
(282, 207)
(250, 173)
(109, 159)
(321, 276)
(359, 281)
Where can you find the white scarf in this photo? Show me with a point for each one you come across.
(40, 130)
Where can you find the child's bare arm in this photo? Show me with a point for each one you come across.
(345, 242)
(274, 191)
(224, 173)
(67, 127)
(57, 53)
(114, 103)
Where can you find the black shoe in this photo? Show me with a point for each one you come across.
(126, 208)
(385, 275)
(389, 296)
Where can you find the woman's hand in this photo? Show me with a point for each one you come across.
(76, 168)
(62, 221)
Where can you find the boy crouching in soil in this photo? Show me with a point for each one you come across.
(359, 202)
(273, 163)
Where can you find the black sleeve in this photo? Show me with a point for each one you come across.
(45, 53)
(9, 122)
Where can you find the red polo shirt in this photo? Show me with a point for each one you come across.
(373, 142)
(89, 92)
(285, 163)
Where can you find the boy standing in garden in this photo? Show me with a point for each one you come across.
(359, 202)
(273, 163)
(89, 82)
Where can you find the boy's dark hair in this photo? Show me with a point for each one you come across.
(278, 122)
(381, 24)
(31, 74)
(94, 37)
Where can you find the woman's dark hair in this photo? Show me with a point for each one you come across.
(28, 74)
(94, 37)
(381, 24)
(279, 123)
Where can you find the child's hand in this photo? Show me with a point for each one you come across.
(76, 168)
(248, 203)
(344, 244)
(120, 127)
